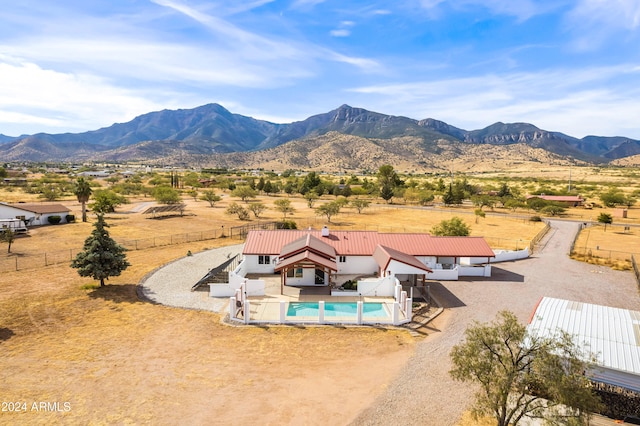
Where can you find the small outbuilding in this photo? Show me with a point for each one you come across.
(611, 334)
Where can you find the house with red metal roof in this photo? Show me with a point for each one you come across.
(568, 200)
(324, 258)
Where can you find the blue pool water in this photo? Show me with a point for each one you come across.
(335, 309)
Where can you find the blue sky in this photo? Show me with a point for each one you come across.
(568, 66)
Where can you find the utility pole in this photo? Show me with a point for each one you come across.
(569, 178)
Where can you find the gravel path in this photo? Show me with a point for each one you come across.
(171, 284)
(423, 393)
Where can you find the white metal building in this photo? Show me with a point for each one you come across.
(612, 335)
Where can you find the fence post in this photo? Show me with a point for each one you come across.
(16, 263)
(232, 307)
(45, 259)
(247, 311)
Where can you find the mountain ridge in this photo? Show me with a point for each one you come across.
(212, 130)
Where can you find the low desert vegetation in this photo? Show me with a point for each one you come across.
(61, 321)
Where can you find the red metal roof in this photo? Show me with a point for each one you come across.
(308, 242)
(364, 243)
(307, 256)
(562, 198)
(384, 255)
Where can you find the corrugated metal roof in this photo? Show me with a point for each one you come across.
(612, 334)
(310, 242)
(364, 243)
(307, 256)
(383, 255)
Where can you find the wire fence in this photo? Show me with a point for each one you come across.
(19, 263)
(604, 253)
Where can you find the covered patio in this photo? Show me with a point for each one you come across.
(306, 261)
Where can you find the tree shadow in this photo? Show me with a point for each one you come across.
(118, 293)
(6, 334)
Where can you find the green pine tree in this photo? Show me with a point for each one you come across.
(101, 256)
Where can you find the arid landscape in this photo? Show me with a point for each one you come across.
(116, 359)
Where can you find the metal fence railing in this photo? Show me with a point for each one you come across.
(19, 263)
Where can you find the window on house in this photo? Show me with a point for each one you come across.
(264, 260)
(294, 273)
(342, 259)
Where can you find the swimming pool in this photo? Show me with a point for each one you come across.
(336, 309)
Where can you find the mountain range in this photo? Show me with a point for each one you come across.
(343, 138)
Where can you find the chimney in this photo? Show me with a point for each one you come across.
(325, 231)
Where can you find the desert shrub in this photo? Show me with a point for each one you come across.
(287, 224)
(54, 220)
(350, 285)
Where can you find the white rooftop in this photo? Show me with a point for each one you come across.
(612, 335)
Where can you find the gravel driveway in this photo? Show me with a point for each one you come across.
(171, 284)
(424, 394)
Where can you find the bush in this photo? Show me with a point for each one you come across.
(535, 219)
(70, 218)
(350, 285)
(287, 224)
(54, 220)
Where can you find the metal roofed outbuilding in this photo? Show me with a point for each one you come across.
(611, 334)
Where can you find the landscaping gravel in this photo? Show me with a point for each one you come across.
(171, 284)
(423, 393)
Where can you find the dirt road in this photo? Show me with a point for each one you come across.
(424, 393)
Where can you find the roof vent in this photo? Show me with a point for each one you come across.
(325, 231)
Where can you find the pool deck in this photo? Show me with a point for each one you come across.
(267, 308)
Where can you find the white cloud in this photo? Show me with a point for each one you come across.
(343, 29)
(31, 95)
(595, 21)
(576, 102)
(340, 33)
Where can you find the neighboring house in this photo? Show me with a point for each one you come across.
(568, 200)
(611, 334)
(323, 258)
(95, 174)
(33, 214)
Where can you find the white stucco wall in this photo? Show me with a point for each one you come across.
(253, 267)
(360, 265)
(377, 287)
(253, 287)
(508, 255)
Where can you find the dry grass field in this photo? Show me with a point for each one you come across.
(118, 360)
